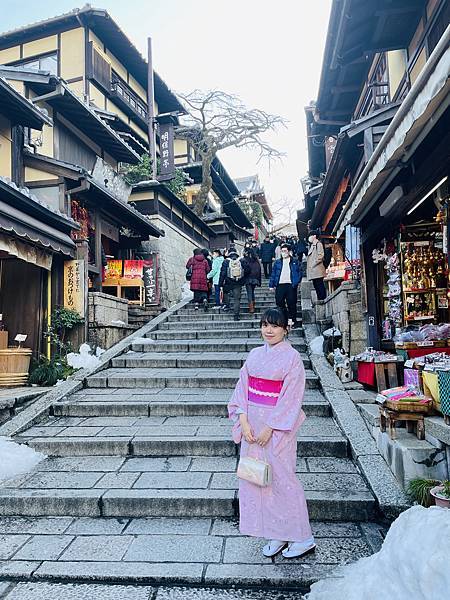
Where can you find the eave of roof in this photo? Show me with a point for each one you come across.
(179, 203)
(108, 31)
(19, 110)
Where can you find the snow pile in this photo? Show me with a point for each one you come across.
(84, 359)
(411, 565)
(16, 459)
(316, 345)
(186, 293)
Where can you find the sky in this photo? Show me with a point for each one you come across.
(268, 53)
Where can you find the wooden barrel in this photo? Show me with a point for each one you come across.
(14, 366)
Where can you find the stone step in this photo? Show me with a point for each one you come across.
(212, 315)
(94, 408)
(157, 551)
(230, 360)
(214, 334)
(164, 436)
(186, 486)
(174, 378)
(219, 325)
(232, 345)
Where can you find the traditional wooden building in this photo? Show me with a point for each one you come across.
(35, 237)
(251, 190)
(377, 137)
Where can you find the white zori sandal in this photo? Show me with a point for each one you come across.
(273, 548)
(298, 549)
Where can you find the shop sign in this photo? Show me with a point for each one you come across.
(113, 269)
(150, 278)
(133, 269)
(167, 167)
(74, 286)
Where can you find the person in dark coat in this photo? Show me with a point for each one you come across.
(267, 253)
(232, 277)
(253, 278)
(199, 281)
(285, 279)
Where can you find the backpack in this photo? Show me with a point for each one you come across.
(189, 273)
(235, 270)
(327, 256)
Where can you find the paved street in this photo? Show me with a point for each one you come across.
(139, 485)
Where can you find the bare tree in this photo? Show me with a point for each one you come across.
(216, 120)
(284, 211)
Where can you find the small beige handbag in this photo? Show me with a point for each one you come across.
(254, 470)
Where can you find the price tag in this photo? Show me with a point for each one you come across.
(20, 337)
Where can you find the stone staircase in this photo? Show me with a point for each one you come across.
(140, 484)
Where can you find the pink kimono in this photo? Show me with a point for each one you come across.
(270, 391)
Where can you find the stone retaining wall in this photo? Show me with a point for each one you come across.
(344, 308)
(108, 320)
(174, 250)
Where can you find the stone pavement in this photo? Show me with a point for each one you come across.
(139, 485)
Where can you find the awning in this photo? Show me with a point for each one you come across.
(31, 230)
(26, 252)
(19, 110)
(427, 100)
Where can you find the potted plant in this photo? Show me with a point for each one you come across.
(441, 494)
(430, 491)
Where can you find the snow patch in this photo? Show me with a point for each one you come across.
(316, 345)
(411, 565)
(84, 359)
(16, 459)
(186, 293)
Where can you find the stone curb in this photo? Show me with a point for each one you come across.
(33, 413)
(391, 498)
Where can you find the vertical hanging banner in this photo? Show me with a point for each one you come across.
(150, 279)
(74, 286)
(167, 166)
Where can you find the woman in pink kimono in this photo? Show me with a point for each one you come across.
(267, 414)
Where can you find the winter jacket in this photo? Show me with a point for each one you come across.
(224, 280)
(300, 249)
(315, 269)
(296, 272)
(254, 274)
(267, 252)
(200, 269)
(214, 274)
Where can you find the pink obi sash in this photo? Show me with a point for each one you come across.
(264, 391)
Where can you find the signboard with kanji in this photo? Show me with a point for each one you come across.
(132, 269)
(74, 286)
(167, 165)
(150, 278)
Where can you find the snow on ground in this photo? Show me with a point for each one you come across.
(411, 565)
(316, 345)
(84, 359)
(16, 459)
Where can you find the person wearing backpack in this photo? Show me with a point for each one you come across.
(285, 279)
(253, 278)
(232, 277)
(315, 267)
(198, 268)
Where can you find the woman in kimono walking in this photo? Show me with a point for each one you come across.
(266, 408)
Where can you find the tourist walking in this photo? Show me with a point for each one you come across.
(315, 269)
(253, 278)
(266, 254)
(197, 268)
(266, 408)
(232, 278)
(214, 275)
(285, 279)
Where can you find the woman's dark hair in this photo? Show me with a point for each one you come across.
(251, 254)
(197, 252)
(205, 252)
(218, 251)
(274, 316)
